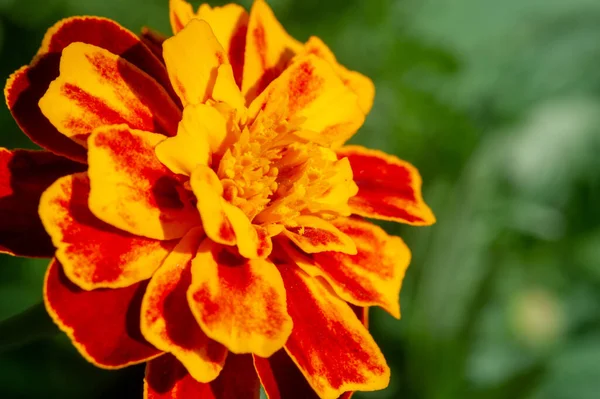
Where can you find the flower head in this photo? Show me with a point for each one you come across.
(200, 200)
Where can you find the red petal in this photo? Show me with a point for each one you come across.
(331, 347)
(93, 253)
(104, 324)
(166, 378)
(167, 321)
(388, 188)
(24, 175)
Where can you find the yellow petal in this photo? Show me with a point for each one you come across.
(226, 90)
(268, 49)
(192, 57)
(358, 83)
(180, 13)
(313, 234)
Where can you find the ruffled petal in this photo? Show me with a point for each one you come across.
(230, 24)
(313, 234)
(167, 321)
(388, 188)
(329, 344)
(132, 190)
(94, 254)
(358, 83)
(24, 175)
(98, 88)
(167, 378)
(239, 302)
(104, 324)
(371, 277)
(268, 50)
(26, 86)
(192, 57)
(201, 133)
(325, 110)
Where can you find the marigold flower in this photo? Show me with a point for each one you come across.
(202, 210)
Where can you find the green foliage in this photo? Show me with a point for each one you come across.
(496, 104)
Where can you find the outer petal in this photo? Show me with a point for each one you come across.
(193, 57)
(166, 378)
(26, 86)
(313, 234)
(281, 378)
(93, 253)
(327, 111)
(97, 88)
(24, 175)
(239, 302)
(371, 277)
(22, 92)
(102, 324)
(132, 190)
(388, 188)
(332, 348)
(268, 50)
(109, 35)
(154, 41)
(358, 83)
(230, 24)
(167, 321)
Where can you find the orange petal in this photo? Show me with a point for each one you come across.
(93, 253)
(180, 13)
(192, 57)
(209, 191)
(268, 50)
(24, 175)
(239, 302)
(22, 92)
(26, 86)
(281, 378)
(313, 234)
(358, 83)
(102, 324)
(252, 241)
(97, 88)
(329, 344)
(132, 190)
(327, 112)
(166, 378)
(167, 321)
(107, 34)
(371, 277)
(388, 188)
(229, 23)
(225, 89)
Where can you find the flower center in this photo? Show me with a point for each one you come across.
(272, 174)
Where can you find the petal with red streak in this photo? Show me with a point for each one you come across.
(180, 13)
(93, 253)
(97, 88)
(132, 190)
(313, 234)
(193, 57)
(327, 112)
(104, 324)
(26, 86)
(230, 24)
(329, 344)
(388, 188)
(24, 175)
(239, 302)
(268, 50)
(167, 378)
(167, 321)
(358, 83)
(371, 277)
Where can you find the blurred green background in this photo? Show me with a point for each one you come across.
(498, 104)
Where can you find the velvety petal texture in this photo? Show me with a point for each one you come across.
(24, 175)
(103, 324)
(388, 188)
